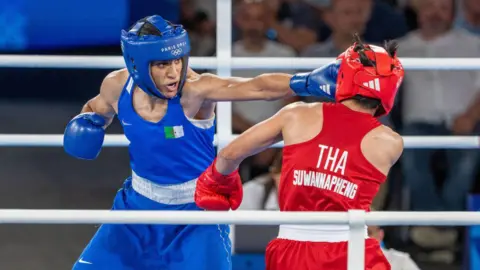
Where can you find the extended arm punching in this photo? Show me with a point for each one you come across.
(320, 82)
(220, 186)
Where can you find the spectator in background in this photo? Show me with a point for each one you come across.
(344, 18)
(385, 23)
(208, 6)
(261, 193)
(408, 9)
(398, 260)
(292, 22)
(201, 29)
(469, 16)
(251, 19)
(439, 103)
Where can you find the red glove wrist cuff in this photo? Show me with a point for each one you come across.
(218, 175)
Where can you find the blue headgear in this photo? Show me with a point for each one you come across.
(139, 51)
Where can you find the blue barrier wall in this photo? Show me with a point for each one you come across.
(472, 257)
(53, 24)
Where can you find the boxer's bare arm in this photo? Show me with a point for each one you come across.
(254, 140)
(382, 147)
(105, 103)
(192, 75)
(269, 86)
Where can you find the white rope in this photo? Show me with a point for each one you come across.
(417, 142)
(54, 140)
(276, 63)
(165, 217)
(234, 217)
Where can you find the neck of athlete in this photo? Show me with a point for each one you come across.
(150, 99)
(354, 106)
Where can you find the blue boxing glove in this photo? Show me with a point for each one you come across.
(84, 136)
(322, 82)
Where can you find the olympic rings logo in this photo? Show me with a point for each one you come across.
(176, 52)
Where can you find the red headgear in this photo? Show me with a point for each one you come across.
(380, 81)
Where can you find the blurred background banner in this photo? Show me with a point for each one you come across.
(53, 25)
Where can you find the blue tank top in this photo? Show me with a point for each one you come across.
(171, 151)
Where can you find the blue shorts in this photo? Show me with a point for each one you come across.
(137, 247)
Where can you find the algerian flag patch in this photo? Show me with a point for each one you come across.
(173, 132)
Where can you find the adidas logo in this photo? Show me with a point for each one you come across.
(373, 84)
(325, 88)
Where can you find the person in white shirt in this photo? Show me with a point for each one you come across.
(439, 102)
(397, 259)
(261, 193)
(468, 16)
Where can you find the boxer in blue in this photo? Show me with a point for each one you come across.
(167, 113)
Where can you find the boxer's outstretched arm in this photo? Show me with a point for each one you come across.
(269, 86)
(253, 141)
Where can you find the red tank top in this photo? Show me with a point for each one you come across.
(329, 172)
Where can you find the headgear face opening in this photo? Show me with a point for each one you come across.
(380, 81)
(139, 51)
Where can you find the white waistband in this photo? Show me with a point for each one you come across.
(166, 194)
(316, 233)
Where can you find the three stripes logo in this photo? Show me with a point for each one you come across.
(373, 84)
(325, 88)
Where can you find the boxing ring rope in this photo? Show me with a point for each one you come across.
(223, 64)
(243, 217)
(236, 63)
(119, 140)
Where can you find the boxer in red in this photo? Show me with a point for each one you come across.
(335, 158)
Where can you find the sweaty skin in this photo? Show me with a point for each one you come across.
(300, 122)
(199, 94)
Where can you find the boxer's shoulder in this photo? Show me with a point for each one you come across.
(112, 85)
(300, 107)
(300, 121)
(197, 85)
(386, 135)
(116, 78)
(382, 147)
(302, 110)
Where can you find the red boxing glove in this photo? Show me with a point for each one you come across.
(216, 191)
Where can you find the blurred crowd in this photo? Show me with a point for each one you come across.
(430, 102)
